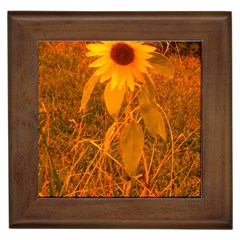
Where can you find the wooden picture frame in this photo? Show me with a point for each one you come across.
(213, 210)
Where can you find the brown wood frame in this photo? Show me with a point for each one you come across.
(212, 210)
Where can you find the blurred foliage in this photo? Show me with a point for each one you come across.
(181, 48)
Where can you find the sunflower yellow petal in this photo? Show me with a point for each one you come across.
(107, 74)
(97, 47)
(100, 61)
(147, 64)
(139, 64)
(92, 54)
(147, 48)
(109, 44)
(130, 80)
(109, 68)
(115, 78)
(141, 54)
(104, 69)
(143, 47)
(138, 75)
(123, 78)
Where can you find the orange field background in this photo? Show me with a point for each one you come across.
(72, 161)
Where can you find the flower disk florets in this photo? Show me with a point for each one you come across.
(122, 54)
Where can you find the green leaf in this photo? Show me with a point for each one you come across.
(161, 65)
(87, 91)
(148, 93)
(148, 107)
(113, 100)
(132, 142)
(153, 120)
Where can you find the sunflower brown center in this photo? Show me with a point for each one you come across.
(122, 54)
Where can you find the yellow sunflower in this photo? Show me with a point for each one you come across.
(121, 62)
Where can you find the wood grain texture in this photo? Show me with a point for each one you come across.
(213, 210)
